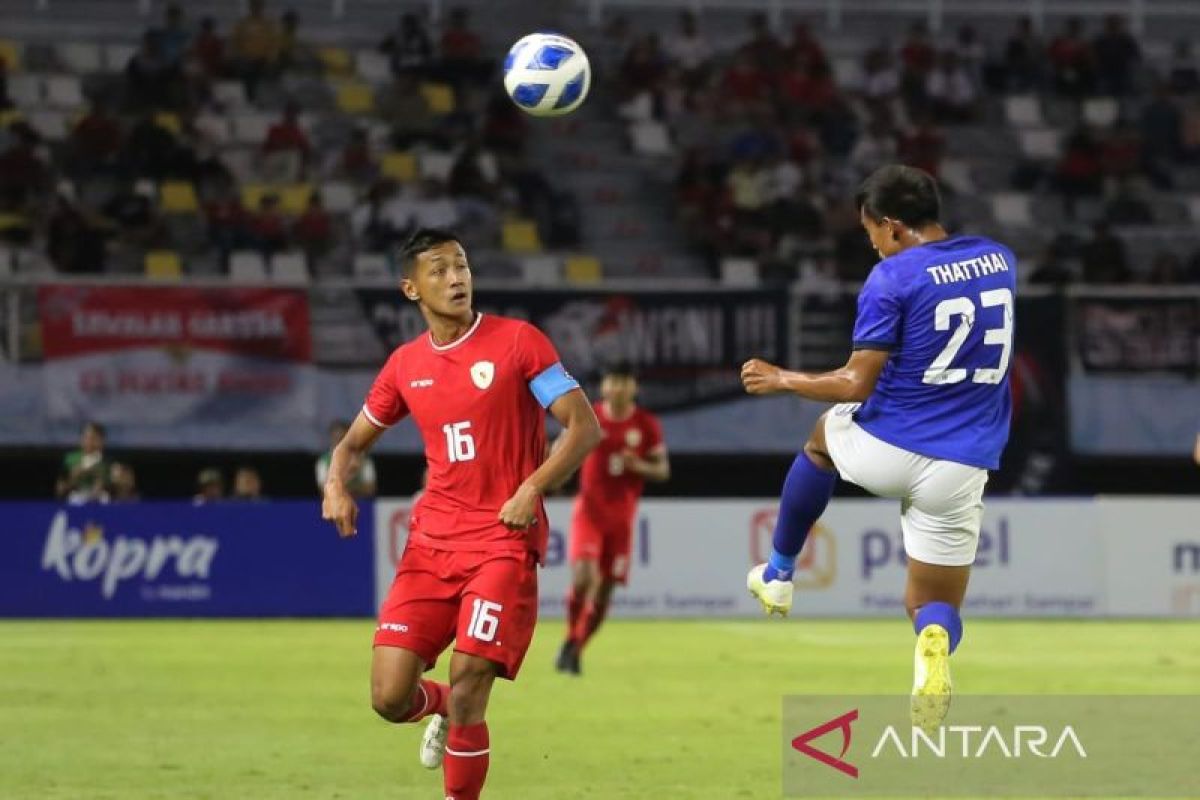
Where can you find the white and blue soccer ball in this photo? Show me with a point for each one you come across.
(547, 74)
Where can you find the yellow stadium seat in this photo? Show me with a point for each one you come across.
(10, 52)
(177, 197)
(583, 269)
(335, 60)
(439, 96)
(168, 122)
(9, 116)
(399, 166)
(520, 236)
(355, 98)
(293, 199)
(252, 195)
(163, 265)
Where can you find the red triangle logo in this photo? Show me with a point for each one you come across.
(842, 723)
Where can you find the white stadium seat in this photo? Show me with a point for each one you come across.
(371, 265)
(1043, 144)
(116, 56)
(739, 272)
(1012, 208)
(1023, 111)
(64, 91)
(80, 58)
(247, 266)
(289, 268)
(1101, 112)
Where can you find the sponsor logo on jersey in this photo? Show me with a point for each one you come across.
(482, 373)
(421, 383)
(395, 627)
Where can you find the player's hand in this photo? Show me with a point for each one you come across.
(339, 508)
(520, 510)
(633, 464)
(760, 377)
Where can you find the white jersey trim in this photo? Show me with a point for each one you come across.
(443, 347)
(371, 418)
(471, 754)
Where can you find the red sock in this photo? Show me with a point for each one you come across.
(588, 623)
(466, 763)
(574, 607)
(430, 698)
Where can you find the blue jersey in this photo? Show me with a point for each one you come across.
(945, 312)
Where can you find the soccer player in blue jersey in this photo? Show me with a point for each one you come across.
(923, 413)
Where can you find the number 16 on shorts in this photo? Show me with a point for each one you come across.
(484, 620)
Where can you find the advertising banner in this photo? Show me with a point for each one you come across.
(182, 560)
(1152, 555)
(157, 356)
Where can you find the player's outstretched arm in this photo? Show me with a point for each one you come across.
(581, 433)
(338, 506)
(1196, 452)
(655, 467)
(852, 383)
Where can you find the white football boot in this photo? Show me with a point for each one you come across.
(775, 596)
(433, 743)
(931, 678)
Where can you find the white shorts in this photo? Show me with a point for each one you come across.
(941, 502)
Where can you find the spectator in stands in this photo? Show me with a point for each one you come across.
(805, 46)
(122, 483)
(152, 80)
(433, 208)
(247, 485)
(762, 48)
(174, 34)
(5, 99)
(643, 68)
(1116, 56)
(1166, 269)
(971, 52)
(268, 228)
(923, 146)
(226, 220)
(131, 216)
(381, 218)
(744, 84)
(149, 150)
(1161, 129)
(24, 173)
(875, 148)
(362, 474)
(810, 88)
(1071, 61)
(313, 230)
(1126, 206)
(1121, 153)
(294, 53)
(917, 60)
(356, 161)
(409, 48)
(1023, 55)
(689, 50)
(84, 474)
(1103, 258)
(1078, 173)
(210, 486)
(208, 49)
(287, 148)
(406, 109)
(951, 89)
(462, 51)
(94, 143)
(881, 75)
(255, 46)
(1183, 76)
(74, 237)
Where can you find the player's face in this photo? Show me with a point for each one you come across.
(618, 390)
(883, 235)
(91, 441)
(441, 280)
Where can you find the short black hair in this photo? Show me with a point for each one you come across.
(422, 239)
(95, 427)
(618, 369)
(905, 194)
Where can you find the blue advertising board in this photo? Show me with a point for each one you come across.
(176, 559)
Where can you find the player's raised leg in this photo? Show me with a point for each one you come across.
(806, 492)
(399, 694)
(468, 745)
(933, 598)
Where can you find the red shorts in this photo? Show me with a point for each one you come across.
(605, 540)
(484, 602)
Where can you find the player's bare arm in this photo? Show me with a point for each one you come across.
(655, 467)
(581, 433)
(338, 506)
(851, 383)
(1196, 451)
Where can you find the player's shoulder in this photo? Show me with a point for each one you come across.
(646, 416)
(497, 325)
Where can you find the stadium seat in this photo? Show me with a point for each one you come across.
(1193, 207)
(371, 265)
(163, 265)
(169, 122)
(435, 165)
(354, 97)
(294, 197)
(7, 257)
(289, 268)
(956, 173)
(1012, 208)
(541, 270)
(338, 197)
(335, 60)
(847, 72)
(247, 266)
(116, 56)
(177, 197)
(1101, 112)
(64, 91)
(10, 115)
(80, 58)
(1042, 144)
(51, 124)
(520, 236)
(214, 126)
(252, 195)
(650, 138)
(10, 52)
(583, 269)
(25, 90)
(250, 127)
(439, 96)
(399, 167)
(372, 66)
(1023, 111)
(739, 272)
(230, 94)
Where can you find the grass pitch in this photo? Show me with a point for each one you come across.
(679, 710)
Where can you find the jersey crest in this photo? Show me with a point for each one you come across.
(482, 373)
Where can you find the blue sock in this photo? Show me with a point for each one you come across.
(942, 614)
(806, 492)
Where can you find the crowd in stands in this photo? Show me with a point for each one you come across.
(773, 142)
(207, 143)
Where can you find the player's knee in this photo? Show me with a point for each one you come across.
(390, 702)
(469, 694)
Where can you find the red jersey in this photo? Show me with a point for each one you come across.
(483, 428)
(606, 490)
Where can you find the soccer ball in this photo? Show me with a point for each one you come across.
(547, 74)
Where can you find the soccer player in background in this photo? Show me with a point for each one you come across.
(610, 483)
(477, 387)
(923, 415)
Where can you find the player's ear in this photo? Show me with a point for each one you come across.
(409, 289)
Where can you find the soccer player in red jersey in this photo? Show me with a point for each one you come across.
(610, 483)
(477, 387)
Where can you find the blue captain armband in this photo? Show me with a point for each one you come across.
(551, 384)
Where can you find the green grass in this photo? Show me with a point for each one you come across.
(678, 710)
